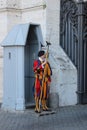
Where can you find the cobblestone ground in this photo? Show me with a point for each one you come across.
(66, 118)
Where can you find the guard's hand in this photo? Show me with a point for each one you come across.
(43, 64)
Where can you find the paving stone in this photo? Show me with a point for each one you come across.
(64, 118)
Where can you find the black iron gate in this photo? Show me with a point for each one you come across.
(73, 39)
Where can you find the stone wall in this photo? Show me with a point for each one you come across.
(46, 13)
(64, 79)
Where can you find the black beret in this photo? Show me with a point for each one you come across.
(41, 53)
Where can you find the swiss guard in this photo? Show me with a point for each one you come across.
(43, 72)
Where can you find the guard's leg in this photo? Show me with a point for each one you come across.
(36, 104)
(43, 104)
(37, 107)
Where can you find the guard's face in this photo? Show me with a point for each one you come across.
(43, 57)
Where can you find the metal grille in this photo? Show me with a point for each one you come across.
(73, 40)
(68, 29)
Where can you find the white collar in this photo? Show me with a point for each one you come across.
(40, 59)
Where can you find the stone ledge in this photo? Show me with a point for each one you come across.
(22, 9)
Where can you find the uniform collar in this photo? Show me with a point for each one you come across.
(40, 59)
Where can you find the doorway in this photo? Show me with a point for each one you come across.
(31, 50)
